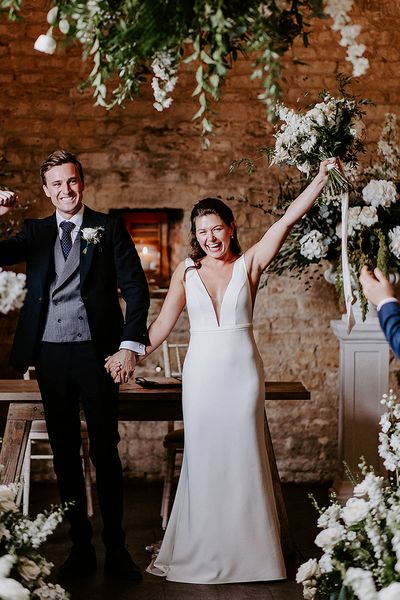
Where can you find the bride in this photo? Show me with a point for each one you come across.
(223, 526)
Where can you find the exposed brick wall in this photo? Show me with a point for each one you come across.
(138, 157)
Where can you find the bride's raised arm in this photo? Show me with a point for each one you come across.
(259, 256)
(174, 303)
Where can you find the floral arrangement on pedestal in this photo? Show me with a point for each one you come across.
(22, 569)
(361, 540)
(133, 40)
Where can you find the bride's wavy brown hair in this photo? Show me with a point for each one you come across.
(209, 206)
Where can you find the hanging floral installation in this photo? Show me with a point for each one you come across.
(133, 40)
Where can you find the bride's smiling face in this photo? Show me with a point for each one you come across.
(213, 235)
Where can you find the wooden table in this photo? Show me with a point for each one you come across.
(136, 404)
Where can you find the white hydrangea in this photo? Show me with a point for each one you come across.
(380, 192)
(394, 241)
(313, 245)
(12, 290)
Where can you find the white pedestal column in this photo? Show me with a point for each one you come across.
(364, 377)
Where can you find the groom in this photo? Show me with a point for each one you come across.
(70, 324)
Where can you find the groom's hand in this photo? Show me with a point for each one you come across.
(376, 286)
(121, 365)
(8, 201)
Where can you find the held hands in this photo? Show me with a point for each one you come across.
(376, 286)
(121, 365)
(8, 201)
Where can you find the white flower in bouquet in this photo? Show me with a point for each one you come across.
(361, 545)
(28, 569)
(392, 592)
(328, 538)
(361, 582)
(12, 291)
(380, 193)
(313, 245)
(394, 241)
(7, 497)
(330, 516)
(9, 588)
(308, 570)
(356, 510)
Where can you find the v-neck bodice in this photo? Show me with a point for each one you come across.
(236, 306)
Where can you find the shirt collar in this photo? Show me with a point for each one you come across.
(76, 219)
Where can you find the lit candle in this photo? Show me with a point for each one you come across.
(145, 258)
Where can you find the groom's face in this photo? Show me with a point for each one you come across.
(64, 187)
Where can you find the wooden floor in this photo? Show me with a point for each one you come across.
(142, 526)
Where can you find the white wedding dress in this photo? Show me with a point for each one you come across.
(223, 526)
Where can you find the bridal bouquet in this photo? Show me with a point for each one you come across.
(12, 291)
(22, 569)
(361, 540)
(329, 128)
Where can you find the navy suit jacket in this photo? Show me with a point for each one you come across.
(389, 318)
(112, 263)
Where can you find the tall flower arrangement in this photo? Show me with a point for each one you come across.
(130, 41)
(374, 212)
(23, 570)
(361, 540)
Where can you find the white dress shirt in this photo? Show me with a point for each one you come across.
(386, 301)
(77, 220)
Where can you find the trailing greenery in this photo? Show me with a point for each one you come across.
(122, 38)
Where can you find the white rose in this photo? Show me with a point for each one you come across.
(12, 590)
(356, 510)
(45, 43)
(28, 569)
(308, 570)
(328, 538)
(392, 592)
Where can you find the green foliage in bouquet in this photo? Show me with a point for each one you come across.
(128, 40)
(361, 540)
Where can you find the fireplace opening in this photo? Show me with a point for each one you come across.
(157, 237)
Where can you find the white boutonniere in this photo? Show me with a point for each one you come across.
(91, 235)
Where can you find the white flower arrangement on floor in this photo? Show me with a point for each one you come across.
(22, 569)
(12, 291)
(361, 540)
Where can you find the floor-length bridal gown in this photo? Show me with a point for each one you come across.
(223, 526)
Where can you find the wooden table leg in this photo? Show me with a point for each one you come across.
(286, 538)
(18, 426)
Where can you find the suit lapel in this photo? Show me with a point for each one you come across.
(87, 250)
(47, 229)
